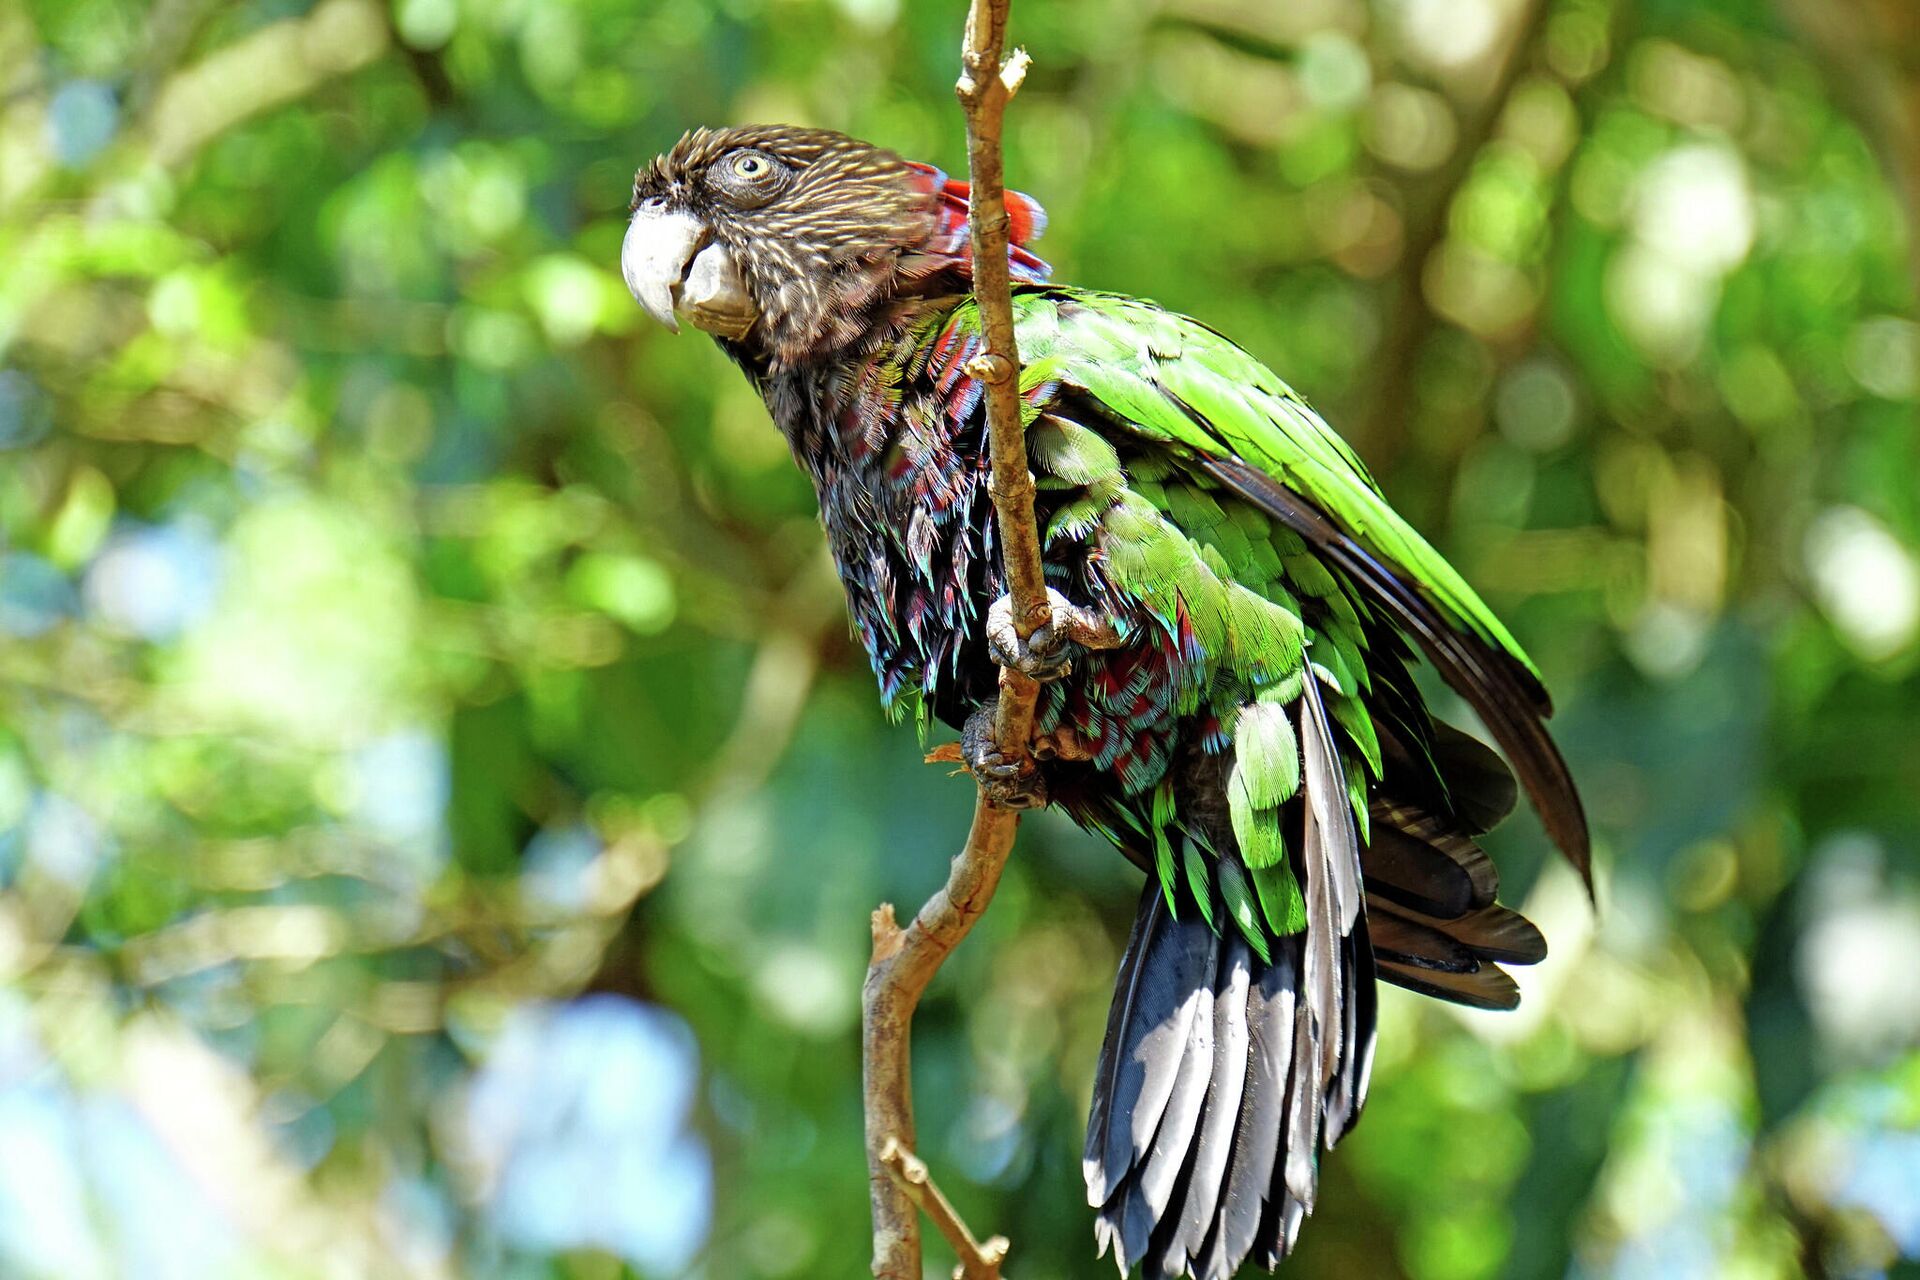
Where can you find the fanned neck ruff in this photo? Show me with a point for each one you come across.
(951, 244)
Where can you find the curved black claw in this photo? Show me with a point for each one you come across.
(1007, 782)
(1048, 653)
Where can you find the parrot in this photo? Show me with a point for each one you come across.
(1228, 690)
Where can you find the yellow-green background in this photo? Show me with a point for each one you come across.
(398, 638)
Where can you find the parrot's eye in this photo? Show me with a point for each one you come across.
(751, 178)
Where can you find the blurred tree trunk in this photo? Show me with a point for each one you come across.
(1871, 51)
(1412, 319)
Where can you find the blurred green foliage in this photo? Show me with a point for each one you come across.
(398, 640)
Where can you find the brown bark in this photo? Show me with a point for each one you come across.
(905, 960)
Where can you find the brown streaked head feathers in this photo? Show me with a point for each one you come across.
(814, 223)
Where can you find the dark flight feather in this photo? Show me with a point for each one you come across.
(1361, 1006)
(1491, 987)
(1320, 835)
(1416, 861)
(1480, 787)
(1398, 940)
(1493, 932)
(1332, 854)
(1435, 926)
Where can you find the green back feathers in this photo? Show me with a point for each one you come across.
(1176, 381)
(1216, 570)
(1197, 557)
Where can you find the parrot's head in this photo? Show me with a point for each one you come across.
(781, 241)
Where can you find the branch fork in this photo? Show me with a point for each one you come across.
(979, 1260)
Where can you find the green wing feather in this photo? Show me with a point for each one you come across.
(1179, 382)
(1164, 497)
(1228, 421)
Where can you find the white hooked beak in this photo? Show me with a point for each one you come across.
(674, 268)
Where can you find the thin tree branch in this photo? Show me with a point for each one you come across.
(905, 960)
(978, 1261)
(984, 88)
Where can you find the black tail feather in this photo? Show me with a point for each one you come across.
(1166, 973)
(1490, 987)
(1223, 1074)
(1493, 933)
(1175, 1143)
(1206, 1172)
(1257, 1135)
(1435, 926)
(1229, 1166)
(1414, 860)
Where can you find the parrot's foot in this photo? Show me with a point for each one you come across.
(1006, 781)
(1047, 654)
